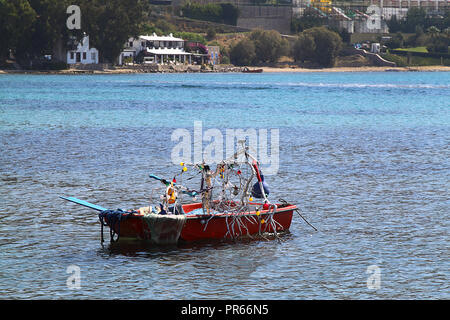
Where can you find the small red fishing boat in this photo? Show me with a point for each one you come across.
(233, 215)
(247, 70)
(189, 227)
(192, 225)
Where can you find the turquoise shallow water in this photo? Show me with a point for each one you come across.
(281, 100)
(364, 155)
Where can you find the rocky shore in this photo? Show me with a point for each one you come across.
(95, 69)
(137, 69)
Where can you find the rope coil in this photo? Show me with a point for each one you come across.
(112, 219)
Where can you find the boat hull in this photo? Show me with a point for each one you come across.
(198, 227)
(247, 70)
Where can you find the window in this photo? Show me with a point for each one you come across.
(72, 55)
(93, 56)
(84, 56)
(130, 44)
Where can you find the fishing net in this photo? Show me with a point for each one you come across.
(164, 229)
(228, 189)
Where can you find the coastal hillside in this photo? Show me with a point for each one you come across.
(37, 37)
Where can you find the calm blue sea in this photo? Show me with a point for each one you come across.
(365, 156)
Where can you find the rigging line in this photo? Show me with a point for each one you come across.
(298, 211)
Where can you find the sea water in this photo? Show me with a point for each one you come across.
(365, 156)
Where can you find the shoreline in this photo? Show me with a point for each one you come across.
(238, 70)
(360, 69)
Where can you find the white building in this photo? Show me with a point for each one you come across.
(83, 54)
(132, 48)
(157, 49)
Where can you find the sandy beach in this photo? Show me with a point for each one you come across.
(359, 69)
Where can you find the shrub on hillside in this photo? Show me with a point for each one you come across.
(243, 53)
(215, 12)
(304, 48)
(319, 45)
(269, 45)
(439, 44)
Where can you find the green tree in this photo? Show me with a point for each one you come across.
(210, 34)
(48, 28)
(327, 45)
(420, 38)
(433, 31)
(149, 28)
(394, 24)
(191, 36)
(230, 13)
(165, 26)
(439, 42)
(269, 45)
(210, 11)
(243, 53)
(32, 28)
(396, 41)
(304, 48)
(16, 21)
(215, 12)
(445, 22)
(418, 17)
(310, 18)
(109, 24)
(414, 17)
